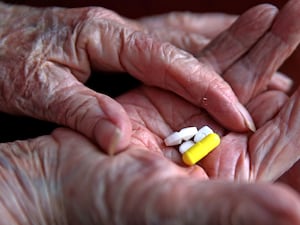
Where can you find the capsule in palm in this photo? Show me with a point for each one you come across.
(199, 150)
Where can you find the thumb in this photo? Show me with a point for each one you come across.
(214, 202)
(95, 115)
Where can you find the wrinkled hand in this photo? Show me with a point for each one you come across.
(187, 31)
(46, 54)
(64, 179)
(247, 55)
(73, 183)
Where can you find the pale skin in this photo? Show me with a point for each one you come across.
(56, 50)
(64, 178)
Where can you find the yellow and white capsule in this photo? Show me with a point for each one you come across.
(199, 150)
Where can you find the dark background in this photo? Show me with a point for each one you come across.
(138, 8)
(13, 128)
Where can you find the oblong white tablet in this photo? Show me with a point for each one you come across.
(188, 132)
(173, 139)
(202, 133)
(185, 146)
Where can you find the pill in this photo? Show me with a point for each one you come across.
(202, 133)
(185, 146)
(201, 149)
(188, 132)
(173, 139)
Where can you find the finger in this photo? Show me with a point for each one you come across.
(177, 34)
(275, 147)
(252, 73)
(163, 65)
(266, 106)
(281, 82)
(230, 45)
(206, 24)
(231, 160)
(190, 42)
(188, 31)
(95, 115)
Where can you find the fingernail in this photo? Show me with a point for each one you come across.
(114, 141)
(108, 136)
(247, 117)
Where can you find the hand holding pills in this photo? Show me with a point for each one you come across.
(148, 184)
(70, 180)
(204, 141)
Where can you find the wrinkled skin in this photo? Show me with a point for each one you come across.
(63, 178)
(73, 183)
(56, 49)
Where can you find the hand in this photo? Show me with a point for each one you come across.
(249, 77)
(70, 181)
(148, 182)
(170, 192)
(55, 50)
(192, 32)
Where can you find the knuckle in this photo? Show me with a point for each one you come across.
(179, 18)
(96, 13)
(77, 112)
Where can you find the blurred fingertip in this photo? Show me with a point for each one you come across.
(281, 82)
(197, 172)
(111, 138)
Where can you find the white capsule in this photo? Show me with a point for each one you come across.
(188, 132)
(173, 139)
(185, 146)
(202, 133)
